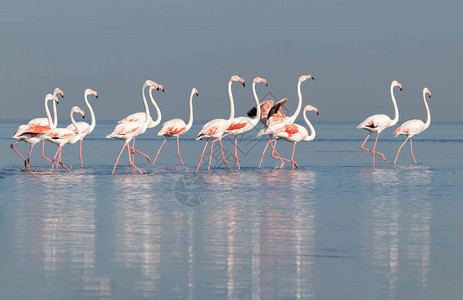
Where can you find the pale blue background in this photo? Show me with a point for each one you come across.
(353, 48)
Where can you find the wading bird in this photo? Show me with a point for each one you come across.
(32, 132)
(63, 136)
(215, 129)
(129, 129)
(176, 127)
(379, 122)
(84, 127)
(295, 133)
(414, 127)
(241, 125)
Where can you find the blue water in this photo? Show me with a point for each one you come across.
(333, 229)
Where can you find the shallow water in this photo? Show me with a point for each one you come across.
(334, 228)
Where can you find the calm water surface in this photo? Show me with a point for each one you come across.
(333, 229)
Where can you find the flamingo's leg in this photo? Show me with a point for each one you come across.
(411, 150)
(159, 150)
(133, 151)
(43, 152)
(201, 159)
(263, 153)
(14, 149)
(236, 153)
(80, 155)
(54, 158)
(292, 156)
(178, 151)
(274, 156)
(136, 150)
(363, 148)
(223, 156)
(278, 155)
(210, 157)
(29, 157)
(117, 159)
(398, 151)
(61, 162)
(130, 161)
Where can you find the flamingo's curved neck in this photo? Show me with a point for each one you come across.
(396, 109)
(232, 105)
(190, 121)
(147, 109)
(428, 112)
(47, 111)
(55, 112)
(256, 119)
(71, 115)
(92, 114)
(312, 134)
(158, 111)
(299, 103)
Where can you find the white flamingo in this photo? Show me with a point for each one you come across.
(295, 133)
(241, 125)
(276, 119)
(140, 116)
(379, 122)
(176, 127)
(63, 136)
(128, 130)
(84, 127)
(414, 127)
(215, 129)
(36, 128)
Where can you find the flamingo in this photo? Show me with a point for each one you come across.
(128, 130)
(176, 127)
(32, 132)
(84, 127)
(295, 133)
(379, 122)
(215, 129)
(140, 116)
(276, 118)
(414, 127)
(63, 136)
(244, 124)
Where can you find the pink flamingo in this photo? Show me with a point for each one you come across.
(215, 129)
(63, 136)
(128, 130)
(140, 116)
(414, 127)
(379, 122)
(36, 128)
(276, 118)
(176, 127)
(295, 133)
(241, 125)
(84, 127)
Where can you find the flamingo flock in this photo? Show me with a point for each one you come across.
(277, 126)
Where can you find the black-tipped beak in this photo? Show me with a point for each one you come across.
(163, 90)
(83, 117)
(96, 96)
(197, 94)
(244, 84)
(400, 88)
(317, 113)
(429, 96)
(313, 78)
(266, 84)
